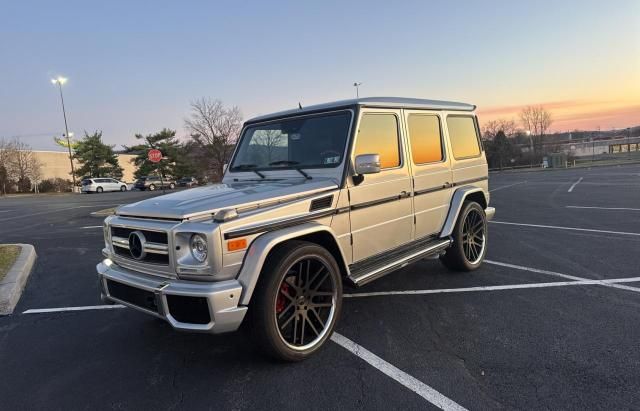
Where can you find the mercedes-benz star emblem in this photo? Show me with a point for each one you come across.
(136, 245)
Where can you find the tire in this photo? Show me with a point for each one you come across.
(152, 187)
(297, 301)
(469, 239)
(172, 186)
(123, 188)
(99, 190)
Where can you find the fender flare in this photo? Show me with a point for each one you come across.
(261, 247)
(456, 205)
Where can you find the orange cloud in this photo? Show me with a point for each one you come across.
(574, 114)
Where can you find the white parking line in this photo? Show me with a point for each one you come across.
(415, 385)
(507, 186)
(591, 230)
(606, 282)
(66, 309)
(574, 185)
(606, 208)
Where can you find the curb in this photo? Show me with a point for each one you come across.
(14, 282)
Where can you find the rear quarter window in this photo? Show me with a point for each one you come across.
(464, 137)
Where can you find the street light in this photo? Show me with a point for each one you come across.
(60, 81)
(357, 86)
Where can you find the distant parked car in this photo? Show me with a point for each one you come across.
(98, 185)
(187, 182)
(154, 182)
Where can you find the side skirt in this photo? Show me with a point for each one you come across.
(379, 265)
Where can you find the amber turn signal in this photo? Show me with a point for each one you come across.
(235, 245)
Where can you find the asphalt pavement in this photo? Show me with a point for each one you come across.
(551, 320)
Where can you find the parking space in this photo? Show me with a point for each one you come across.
(550, 321)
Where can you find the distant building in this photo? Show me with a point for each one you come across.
(598, 147)
(56, 164)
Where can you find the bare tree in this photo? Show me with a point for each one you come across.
(21, 164)
(491, 128)
(536, 120)
(7, 153)
(35, 173)
(215, 128)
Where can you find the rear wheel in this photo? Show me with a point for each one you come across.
(99, 190)
(123, 188)
(152, 187)
(469, 239)
(172, 186)
(297, 301)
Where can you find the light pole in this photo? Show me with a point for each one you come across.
(60, 81)
(357, 86)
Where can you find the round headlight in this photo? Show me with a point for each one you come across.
(199, 247)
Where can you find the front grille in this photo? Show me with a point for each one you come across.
(151, 257)
(139, 298)
(152, 236)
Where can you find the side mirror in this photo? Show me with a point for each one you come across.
(224, 168)
(367, 164)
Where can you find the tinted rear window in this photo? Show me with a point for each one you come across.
(464, 136)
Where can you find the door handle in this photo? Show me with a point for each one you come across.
(404, 194)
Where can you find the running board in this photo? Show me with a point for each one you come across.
(375, 267)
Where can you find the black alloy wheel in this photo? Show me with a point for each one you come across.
(297, 301)
(469, 246)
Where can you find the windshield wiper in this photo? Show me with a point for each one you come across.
(248, 167)
(290, 163)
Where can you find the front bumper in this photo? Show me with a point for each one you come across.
(186, 305)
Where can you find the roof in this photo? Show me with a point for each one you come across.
(382, 102)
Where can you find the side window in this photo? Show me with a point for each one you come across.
(425, 138)
(464, 136)
(378, 134)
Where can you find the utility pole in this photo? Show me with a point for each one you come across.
(60, 81)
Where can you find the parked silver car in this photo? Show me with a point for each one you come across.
(345, 191)
(98, 185)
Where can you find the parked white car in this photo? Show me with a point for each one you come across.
(99, 185)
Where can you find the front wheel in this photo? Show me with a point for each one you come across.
(297, 301)
(172, 186)
(152, 187)
(123, 188)
(469, 239)
(99, 190)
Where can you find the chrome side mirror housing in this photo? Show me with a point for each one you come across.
(367, 164)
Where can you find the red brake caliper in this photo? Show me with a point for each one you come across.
(281, 301)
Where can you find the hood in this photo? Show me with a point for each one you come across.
(208, 199)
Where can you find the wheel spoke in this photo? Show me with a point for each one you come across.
(283, 325)
(308, 320)
(302, 327)
(322, 323)
(321, 281)
(313, 279)
(284, 311)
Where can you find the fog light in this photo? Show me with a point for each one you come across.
(198, 244)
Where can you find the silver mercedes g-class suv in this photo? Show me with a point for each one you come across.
(312, 197)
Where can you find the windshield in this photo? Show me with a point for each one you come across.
(308, 142)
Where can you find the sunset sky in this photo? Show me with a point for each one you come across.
(134, 68)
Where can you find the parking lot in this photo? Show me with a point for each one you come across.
(551, 320)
